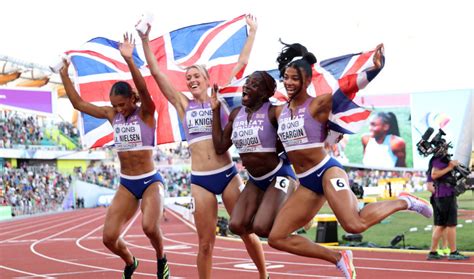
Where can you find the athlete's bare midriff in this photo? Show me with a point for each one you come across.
(205, 158)
(136, 162)
(260, 163)
(305, 159)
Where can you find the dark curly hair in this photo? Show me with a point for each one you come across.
(286, 59)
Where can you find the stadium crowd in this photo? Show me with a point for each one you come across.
(22, 129)
(33, 189)
(371, 177)
(18, 129)
(103, 175)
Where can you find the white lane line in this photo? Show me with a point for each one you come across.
(71, 220)
(25, 272)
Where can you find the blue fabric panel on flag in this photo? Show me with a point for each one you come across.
(181, 129)
(91, 123)
(87, 66)
(337, 65)
(233, 45)
(233, 102)
(275, 73)
(373, 73)
(185, 39)
(333, 126)
(115, 45)
(105, 42)
(341, 103)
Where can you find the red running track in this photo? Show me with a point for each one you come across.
(68, 245)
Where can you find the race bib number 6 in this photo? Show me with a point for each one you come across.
(339, 184)
(282, 183)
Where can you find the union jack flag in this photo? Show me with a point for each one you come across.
(343, 76)
(98, 65)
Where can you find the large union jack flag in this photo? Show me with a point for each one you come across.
(98, 65)
(343, 76)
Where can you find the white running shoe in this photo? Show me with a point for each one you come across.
(417, 204)
(345, 264)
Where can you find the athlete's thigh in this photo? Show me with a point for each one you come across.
(339, 195)
(297, 211)
(231, 193)
(205, 211)
(152, 203)
(247, 204)
(273, 199)
(121, 210)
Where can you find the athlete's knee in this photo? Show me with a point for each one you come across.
(261, 230)
(275, 241)
(150, 229)
(206, 246)
(237, 228)
(354, 226)
(109, 239)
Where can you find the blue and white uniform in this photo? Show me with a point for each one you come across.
(256, 135)
(198, 127)
(299, 131)
(132, 134)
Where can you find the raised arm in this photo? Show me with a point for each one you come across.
(371, 72)
(176, 98)
(221, 139)
(76, 100)
(247, 49)
(126, 50)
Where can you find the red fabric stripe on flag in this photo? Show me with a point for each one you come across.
(220, 74)
(98, 91)
(348, 83)
(104, 140)
(360, 116)
(240, 73)
(280, 96)
(231, 89)
(192, 60)
(320, 84)
(164, 131)
(360, 61)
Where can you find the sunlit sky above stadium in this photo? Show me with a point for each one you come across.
(428, 44)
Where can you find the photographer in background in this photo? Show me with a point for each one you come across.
(445, 205)
(444, 250)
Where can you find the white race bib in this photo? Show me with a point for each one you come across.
(127, 135)
(199, 120)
